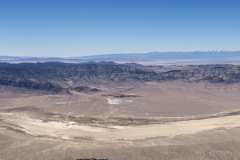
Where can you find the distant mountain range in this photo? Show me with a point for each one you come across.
(169, 55)
(202, 55)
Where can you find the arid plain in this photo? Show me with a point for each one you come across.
(134, 112)
(170, 120)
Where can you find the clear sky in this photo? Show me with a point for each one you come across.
(65, 28)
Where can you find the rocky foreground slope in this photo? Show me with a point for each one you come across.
(87, 77)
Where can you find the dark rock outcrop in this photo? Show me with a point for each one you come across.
(85, 89)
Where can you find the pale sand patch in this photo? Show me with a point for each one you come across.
(6, 114)
(114, 101)
(115, 133)
(61, 103)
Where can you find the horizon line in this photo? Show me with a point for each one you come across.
(216, 50)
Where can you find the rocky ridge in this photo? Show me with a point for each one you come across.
(60, 77)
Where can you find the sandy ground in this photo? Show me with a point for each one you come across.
(164, 121)
(72, 131)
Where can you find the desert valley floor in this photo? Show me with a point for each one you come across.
(155, 120)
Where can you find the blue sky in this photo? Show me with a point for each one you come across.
(66, 28)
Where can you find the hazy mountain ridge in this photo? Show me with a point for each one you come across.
(63, 77)
(215, 54)
(170, 55)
